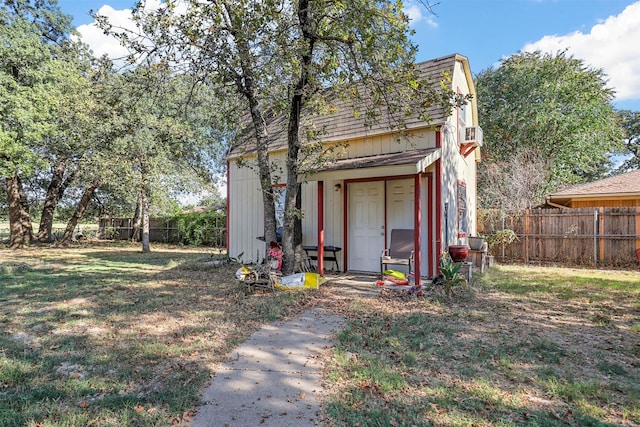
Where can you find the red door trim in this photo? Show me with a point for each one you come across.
(228, 204)
(438, 202)
(321, 228)
(417, 221)
(430, 243)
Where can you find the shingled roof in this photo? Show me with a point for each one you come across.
(344, 125)
(624, 184)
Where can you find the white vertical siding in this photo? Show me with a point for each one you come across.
(246, 219)
(245, 213)
(333, 214)
(310, 213)
(456, 167)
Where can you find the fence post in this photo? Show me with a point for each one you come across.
(504, 224)
(637, 218)
(596, 231)
(526, 236)
(602, 234)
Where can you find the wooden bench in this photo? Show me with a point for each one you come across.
(330, 254)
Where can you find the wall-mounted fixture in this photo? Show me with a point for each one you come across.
(337, 187)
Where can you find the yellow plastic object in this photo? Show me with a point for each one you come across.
(300, 281)
(394, 273)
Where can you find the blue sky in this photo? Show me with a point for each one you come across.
(604, 33)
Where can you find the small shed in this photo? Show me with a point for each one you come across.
(425, 181)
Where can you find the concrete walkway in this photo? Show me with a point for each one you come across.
(273, 378)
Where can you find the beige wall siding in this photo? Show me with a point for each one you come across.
(385, 144)
(333, 214)
(246, 213)
(310, 213)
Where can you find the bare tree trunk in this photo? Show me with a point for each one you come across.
(55, 191)
(246, 85)
(144, 204)
(137, 220)
(297, 231)
(21, 230)
(79, 212)
(291, 214)
(144, 208)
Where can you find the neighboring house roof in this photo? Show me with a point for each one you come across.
(626, 184)
(344, 125)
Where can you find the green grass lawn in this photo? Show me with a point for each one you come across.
(111, 336)
(107, 335)
(526, 347)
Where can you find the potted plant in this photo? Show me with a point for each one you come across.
(450, 274)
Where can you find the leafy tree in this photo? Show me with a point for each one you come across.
(630, 121)
(31, 39)
(71, 147)
(214, 200)
(550, 108)
(280, 58)
(159, 135)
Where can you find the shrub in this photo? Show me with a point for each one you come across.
(200, 229)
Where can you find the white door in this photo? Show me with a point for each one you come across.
(366, 225)
(400, 201)
(400, 212)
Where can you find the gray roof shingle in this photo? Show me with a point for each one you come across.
(343, 124)
(626, 183)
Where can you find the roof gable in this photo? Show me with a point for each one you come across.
(344, 125)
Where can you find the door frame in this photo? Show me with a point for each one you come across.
(374, 234)
(418, 190)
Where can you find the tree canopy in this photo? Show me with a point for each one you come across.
(543, 113)
(71, 127)
(630, 121)
(280, 58)
(33, 66)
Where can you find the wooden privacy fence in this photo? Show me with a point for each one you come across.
(599, 237)
(163, 231)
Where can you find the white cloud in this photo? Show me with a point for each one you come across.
(103, 44)
(612, 45)
(414, 12)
